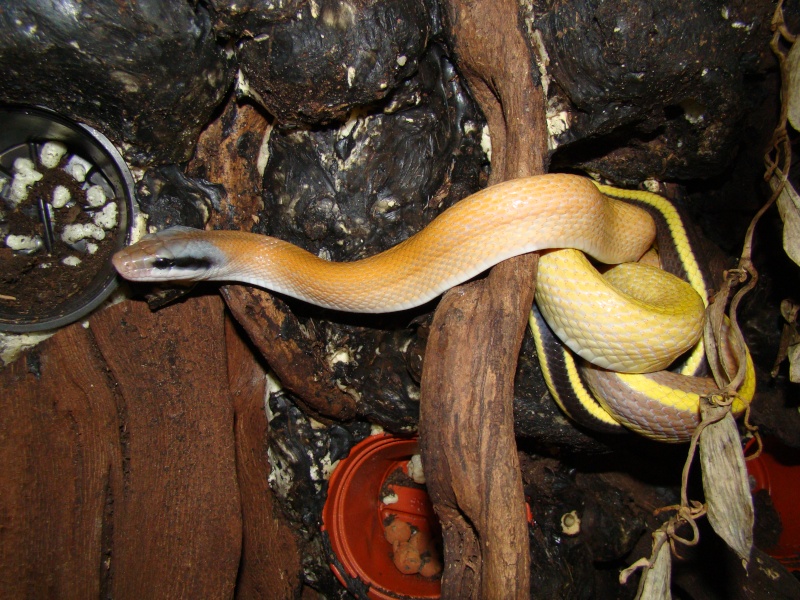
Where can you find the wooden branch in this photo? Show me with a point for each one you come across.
(220, 158)
(271, 326)
(493, 54)
(466, 421)
(290, 352)
(467, 430)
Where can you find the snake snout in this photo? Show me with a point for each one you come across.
(172, 255)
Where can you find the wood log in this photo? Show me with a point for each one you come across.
(270, 564)
(178, 517)
(120, 449)
(466, 421)
(289, 350)
(61, 471)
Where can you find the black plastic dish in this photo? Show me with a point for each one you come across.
(22, 131)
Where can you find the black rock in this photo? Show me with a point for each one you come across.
(148, 74)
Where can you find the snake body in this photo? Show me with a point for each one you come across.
(662, 405)
(497, 223)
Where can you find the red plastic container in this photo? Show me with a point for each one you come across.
(354, 515)
(777, 470)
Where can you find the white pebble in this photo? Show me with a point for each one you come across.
(76, 232)
(24, 165)
(24, 175)
(51, 154)
(77, 168)
(23, 243)
(77, 171)
(71, 261)
(415, 470)
(91, 247)
(19, 191)
(96, 196)
(107, 218)
(61, 196)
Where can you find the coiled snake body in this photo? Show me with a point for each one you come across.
(598, 317)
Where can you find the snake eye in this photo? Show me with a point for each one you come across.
(162, 263)
(182, 262)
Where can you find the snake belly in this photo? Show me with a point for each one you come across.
(661, 405)
(497, 223)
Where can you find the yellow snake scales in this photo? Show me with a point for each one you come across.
(630, 323)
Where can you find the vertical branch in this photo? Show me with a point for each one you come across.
(466, 422)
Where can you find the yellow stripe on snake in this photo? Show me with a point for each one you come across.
(633, 319)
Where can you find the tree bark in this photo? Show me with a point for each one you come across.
(290, 351)
(270, 563)
(466, 420)
(133, 463)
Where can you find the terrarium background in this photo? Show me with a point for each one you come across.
(138, 445)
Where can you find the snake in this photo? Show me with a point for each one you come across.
(662, 405)
(618, 331)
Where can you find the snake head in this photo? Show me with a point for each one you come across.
(175, 254)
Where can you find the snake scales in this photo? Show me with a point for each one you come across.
(625, 323)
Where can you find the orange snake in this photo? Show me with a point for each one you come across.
(499, 222)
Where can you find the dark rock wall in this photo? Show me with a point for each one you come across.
(148, 74)
(369, 132)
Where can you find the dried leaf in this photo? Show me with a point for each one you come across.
(725, 482)
(789, 346)
(794, 363)
(789, 207)
(792, 88)
(655, 582)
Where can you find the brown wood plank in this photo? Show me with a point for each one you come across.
(59, 465)
(270, 565)
(177, 529)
